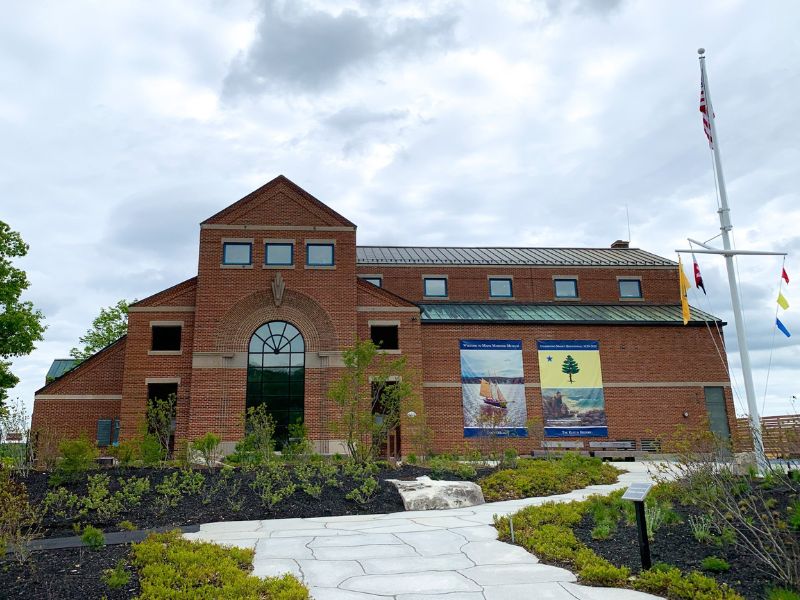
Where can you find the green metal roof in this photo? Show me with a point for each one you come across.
(591, 314)
(59, 367)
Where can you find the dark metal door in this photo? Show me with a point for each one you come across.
(717, 412)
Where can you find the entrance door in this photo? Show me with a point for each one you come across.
(717, 412)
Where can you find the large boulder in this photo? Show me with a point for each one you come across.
(428, 494)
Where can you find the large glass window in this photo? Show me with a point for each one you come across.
(236, 253)
(276, 374)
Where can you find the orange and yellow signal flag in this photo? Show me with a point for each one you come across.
(685, 285)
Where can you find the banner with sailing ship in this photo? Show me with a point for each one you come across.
(493, 388)
(573, 403)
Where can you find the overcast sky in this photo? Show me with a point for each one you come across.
(124, 124)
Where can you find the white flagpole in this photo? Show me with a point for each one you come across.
(725, 228)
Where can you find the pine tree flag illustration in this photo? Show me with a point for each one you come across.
(570, 367)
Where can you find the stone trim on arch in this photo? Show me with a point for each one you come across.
(249, 313)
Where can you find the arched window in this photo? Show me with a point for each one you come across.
(276, 374)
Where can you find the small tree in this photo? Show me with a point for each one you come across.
(159, 417)
(110, 325)
(371, 394)
(570, 367)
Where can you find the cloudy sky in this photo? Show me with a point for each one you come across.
(451, 123)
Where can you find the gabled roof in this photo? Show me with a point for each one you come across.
(576, 257)
(179, 294)
(249, 202)
(569, 314)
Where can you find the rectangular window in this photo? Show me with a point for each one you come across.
(566, 288)
(385, 337)
(630, 288)
(500, 288)
(435, 287)
(377, 281)
(278, 254)
(166, 338)
(237, 253)
(319, 255)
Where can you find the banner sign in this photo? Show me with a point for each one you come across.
(573, 404)
(493, 388)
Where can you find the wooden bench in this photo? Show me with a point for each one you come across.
(625, 450)
(560, 447)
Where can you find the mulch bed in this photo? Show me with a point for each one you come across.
(675, 545)
(69, 573)
(191, 509)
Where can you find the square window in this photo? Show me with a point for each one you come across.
(237, 253)
(166, 337)
(435, 287)
(377, 281)
(566, 288)
(319, 254)
(278, 254)
(500, 288)
(385, 337)
(630, 288)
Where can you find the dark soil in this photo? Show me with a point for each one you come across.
(674, 544)
(69, 573)
(222, 504)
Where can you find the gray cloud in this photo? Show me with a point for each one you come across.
(309, 50)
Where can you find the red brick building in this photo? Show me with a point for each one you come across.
(282, 288)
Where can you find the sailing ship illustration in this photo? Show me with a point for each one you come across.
(490, 393)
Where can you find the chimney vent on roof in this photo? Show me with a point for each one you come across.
(620, 244)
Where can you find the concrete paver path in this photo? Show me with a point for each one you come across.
(425, 555)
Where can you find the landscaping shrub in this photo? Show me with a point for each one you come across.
(782, 594)
(273, 484)
(546, 477)
(207, 447)
(152, 452)
(93, 537)
(258, 445)
(118, 577)
(76, 457)
(19, 521)
(442, 466)
(127, 525)
(171, 567)
(715, 564)
(670, 582)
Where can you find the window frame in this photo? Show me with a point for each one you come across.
(557, 296)
(427, 278)
(637, 281)
(510, 281)
(164, 325)
(371, 279)
(282, 243)
(330, 245)
(386, 324)
(227, 243)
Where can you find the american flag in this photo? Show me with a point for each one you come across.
(704, 110)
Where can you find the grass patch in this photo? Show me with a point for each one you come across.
(547, 532)
(172, 567)
(534, 477)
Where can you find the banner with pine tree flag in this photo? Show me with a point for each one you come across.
(573, 402)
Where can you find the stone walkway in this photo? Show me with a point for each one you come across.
(443, 555)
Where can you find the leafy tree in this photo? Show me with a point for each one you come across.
(570, 367)
(110, 325)
(20, 324)
(372, 394)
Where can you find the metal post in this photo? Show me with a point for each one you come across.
(644, 543)
(725, 227)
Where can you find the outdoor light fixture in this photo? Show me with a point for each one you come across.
(411, 414)
(686, 414)
(637, 492)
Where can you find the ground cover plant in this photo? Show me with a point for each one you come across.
(545, 477)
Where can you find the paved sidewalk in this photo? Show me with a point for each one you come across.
(424, 555)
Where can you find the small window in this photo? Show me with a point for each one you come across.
(278, 254)
(435, 287)
(385, 337)
(630, 288)
(378, 281)
(166, 337)
(237, 253)
(566, 288)
(320, 255)
(500, 288)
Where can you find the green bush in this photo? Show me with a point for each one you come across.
(714, 564)
(207, 447)
(675, 585)
(411, 459)
(127, 525)
(442, 466)
(782, 594)
(595, 570)
(171, 567)
(93, 537)
(118, 577)
(364, 491)
(273, 484)
(19, 521)
(534, 477)
(76, 457)
(152, 452)
(794, 515)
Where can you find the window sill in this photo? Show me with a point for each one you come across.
(321, 267)
(436, 297)
(164, 352)
(501, 297)
(567, 299)
(388, 351)
(224, 266)
(277, 266)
